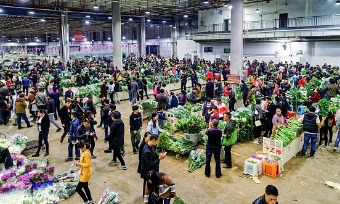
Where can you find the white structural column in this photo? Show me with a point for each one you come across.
(64, 38)
(236, 36)
(141, 34)
(309, 8)
(117, 34)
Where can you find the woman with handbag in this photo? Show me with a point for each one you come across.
(43, 123)
(159, 188)
(85, 164)
(229, 138)
(258, 114)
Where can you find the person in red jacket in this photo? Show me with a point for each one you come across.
(302, 82)
(209, 75)
(316, 96)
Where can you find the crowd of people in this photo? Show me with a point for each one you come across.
(266, 90)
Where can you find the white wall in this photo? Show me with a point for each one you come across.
(315, 53)
(295, 8)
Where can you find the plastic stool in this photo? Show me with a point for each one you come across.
(301, 110)
(290, 114)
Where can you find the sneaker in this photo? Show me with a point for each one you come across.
(312, 157)
(113, 162)
(94, 157)
(90, 202)
(99, 126)
(334, 149)
(227, 166)
(29, 126)
(61, 140)
(77, 158)
(59, 129)
(68, 159)
(123, 168)
(135, 150)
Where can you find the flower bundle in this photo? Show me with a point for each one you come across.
(270, 160)
(19, 139)
(4, 144)
(108, 197)
(258, 155)
(8, 174)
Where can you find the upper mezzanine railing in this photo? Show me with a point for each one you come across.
(313, 22)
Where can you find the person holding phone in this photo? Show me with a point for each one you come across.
(150, 159)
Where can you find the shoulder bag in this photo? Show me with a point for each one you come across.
(227, 141)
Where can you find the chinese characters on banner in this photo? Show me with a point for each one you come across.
(78, 37)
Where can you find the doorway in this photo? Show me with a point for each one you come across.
(226, 25)
(152, 49)
(283, 20)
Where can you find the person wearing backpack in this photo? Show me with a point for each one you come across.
(229, 137)
(173, 100)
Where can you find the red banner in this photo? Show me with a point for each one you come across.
(78, 37)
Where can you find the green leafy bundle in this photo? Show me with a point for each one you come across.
(244, 123)
(192, 125)
(296, 97)
(196, 159)
(287, 133)
(179, 200)
(181, 111)
(324, 105)
(148, 105)
(176, 144)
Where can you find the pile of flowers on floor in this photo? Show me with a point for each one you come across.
(32, 181)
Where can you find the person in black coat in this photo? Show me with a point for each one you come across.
(145, 140)
(83, 131)
(65, 118)
(209, 89)
(150, 159)
(145, 86)
(43, 123)
(116, 139)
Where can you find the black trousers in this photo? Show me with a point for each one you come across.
(184, 86)
(231, 106)
(227, 155)
(57, 109)
(85, 186)
(245, 101)
(43, 136)
(146, 93)
(269, 128)
(140, 95)
(25, 90)
(324, 135)
(111, 98)
(116, 153)
(92, 145)
(66, 130)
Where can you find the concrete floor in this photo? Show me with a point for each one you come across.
(301, 182)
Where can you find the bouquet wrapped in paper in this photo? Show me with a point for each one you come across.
(108, 197)
(18, 143)
(4, 144)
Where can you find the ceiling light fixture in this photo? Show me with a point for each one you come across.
(110, 17)
(225, 5)
(124, 37)
(108, 38)
(37, 40)
(185, 16)
(206, 2)
(3, 36)
(147, 12)
(31, 12)
(95, 6)
(1, 10)
(257, 10)
(130, 19)
(88, 16)
(174, 27)
(148, 20)
(230, 6)
(337, 3)
(87, 22)
(73, 39)
(164, 21)
(42, 20)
